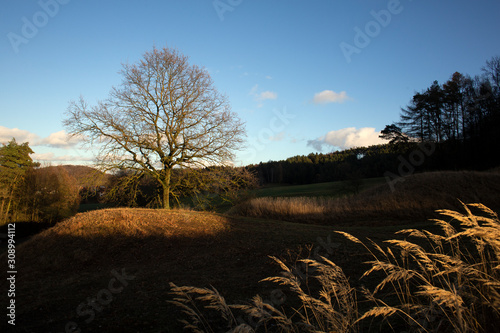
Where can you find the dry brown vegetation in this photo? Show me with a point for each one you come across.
(87, 176)
(51, 194)
(449, 284)
(71, 262)
(47, 194)
(417, 197)
(68, 264)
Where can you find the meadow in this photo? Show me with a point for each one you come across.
(415, 198)
(327, 189)
(118, 270)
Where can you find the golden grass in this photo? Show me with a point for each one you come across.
(447, 283)
(70, 262)
(415, 198)
(86, 236)
(334, 307)
(455, 285)
(137, 222)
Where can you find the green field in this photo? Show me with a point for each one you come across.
(330, 189)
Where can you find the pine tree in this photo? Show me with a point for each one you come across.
(15, 161)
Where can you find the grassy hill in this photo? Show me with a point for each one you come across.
(86, 176)
(126, 258)
(72, 262)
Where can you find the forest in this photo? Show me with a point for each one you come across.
(460, 118)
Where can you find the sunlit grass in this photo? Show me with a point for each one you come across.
(415, 197)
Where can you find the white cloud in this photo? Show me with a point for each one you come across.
(269, 77)
(267, 95)
(59, 140)
(347, 138)
(330, 96)
(262, 96)
(21, 136)
(55, 140)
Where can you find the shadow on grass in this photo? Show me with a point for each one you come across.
(70, 266)
(58, 273)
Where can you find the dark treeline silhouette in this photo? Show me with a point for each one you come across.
(460, 118)
(350, 164)
(462, 108)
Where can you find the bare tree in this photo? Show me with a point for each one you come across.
(166, 113)
(492, 72)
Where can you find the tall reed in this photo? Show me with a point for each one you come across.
(440, 282)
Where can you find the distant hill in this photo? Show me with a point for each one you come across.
(87, 176)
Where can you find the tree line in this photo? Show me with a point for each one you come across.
(29, 192)
(463, 108)
(461, 118)
(349, 164)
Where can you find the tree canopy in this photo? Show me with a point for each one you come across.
(15, 161)
(462, 108)
(393, 134)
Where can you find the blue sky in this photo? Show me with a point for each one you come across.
(305, 76)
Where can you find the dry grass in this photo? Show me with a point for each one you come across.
(65, 265)
(71, 262)
(450, 282)
(333, 309)
(86, 236)
(417, 197)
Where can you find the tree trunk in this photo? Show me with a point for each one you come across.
(166, 189)
(1, 212)
(7, 210)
